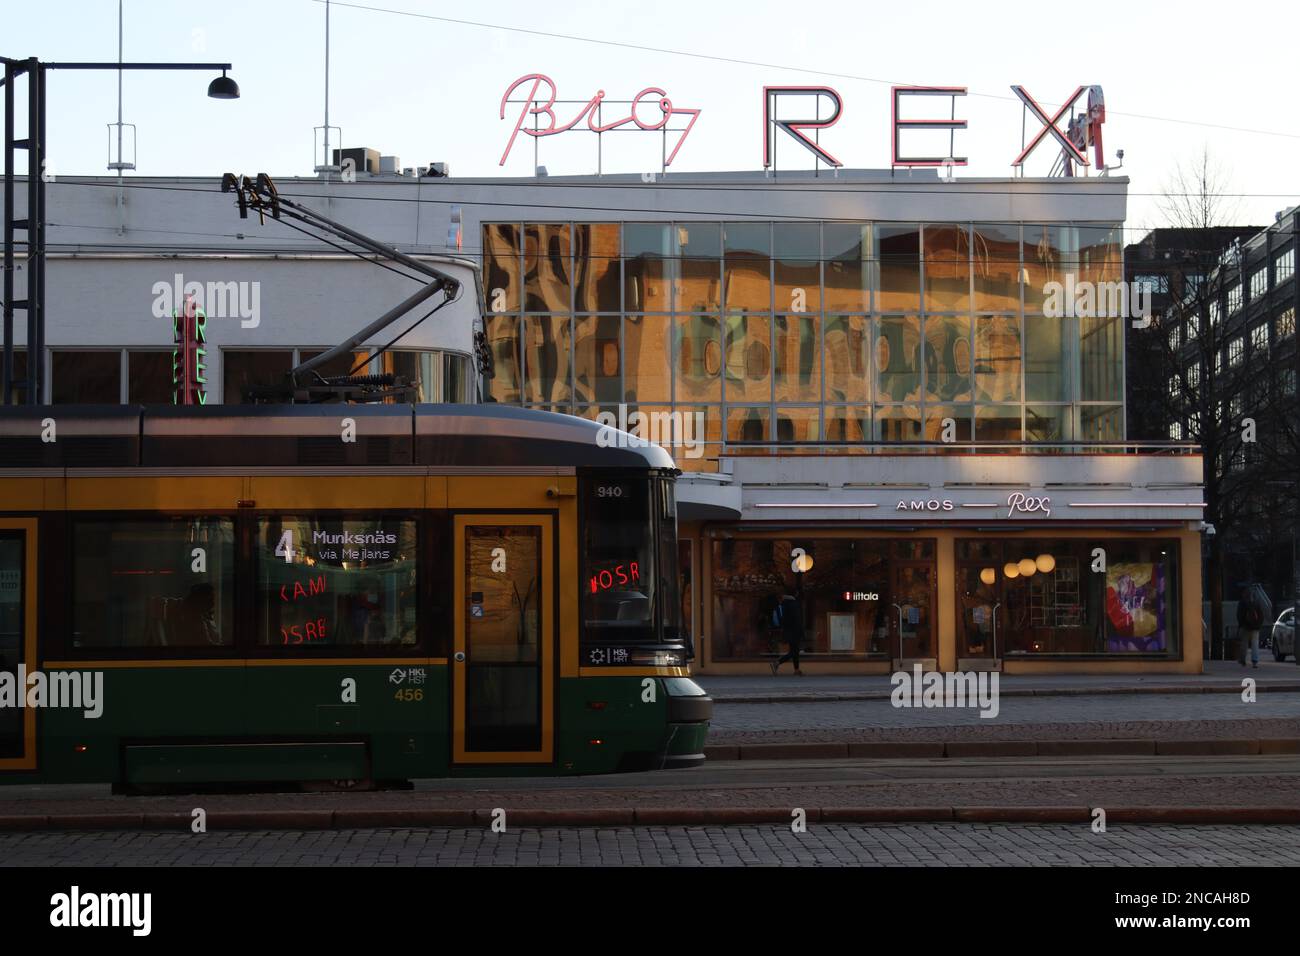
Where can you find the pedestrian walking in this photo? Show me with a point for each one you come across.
(1254, 609)
(789, 617)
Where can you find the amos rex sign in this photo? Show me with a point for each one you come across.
(801, 113)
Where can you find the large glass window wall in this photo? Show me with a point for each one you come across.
(803, 332)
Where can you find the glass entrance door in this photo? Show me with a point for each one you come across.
(17, 637)
(913, 607)
(503, 653)
(981, 621)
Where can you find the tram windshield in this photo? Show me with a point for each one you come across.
(629, 576)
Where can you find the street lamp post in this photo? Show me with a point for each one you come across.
(33, 305)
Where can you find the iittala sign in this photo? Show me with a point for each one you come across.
(803, 115)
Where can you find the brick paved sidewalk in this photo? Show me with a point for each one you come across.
(1219, 677)
(676, 800)
(925, 844)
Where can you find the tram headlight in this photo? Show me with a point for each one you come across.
(657, 658)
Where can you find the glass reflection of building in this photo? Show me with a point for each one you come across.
(801, 332)
(802, 341)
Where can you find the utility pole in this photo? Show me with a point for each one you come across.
(222, 88)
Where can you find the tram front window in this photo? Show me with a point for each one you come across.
(618, 582)
(631, 610)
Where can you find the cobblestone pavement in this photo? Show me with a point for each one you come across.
(883, 845)
(1248, 781)
(1183, 716)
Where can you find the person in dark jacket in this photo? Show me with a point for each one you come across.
(790, 614)
(1253, 611)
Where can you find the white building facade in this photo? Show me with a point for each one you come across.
(874, 406)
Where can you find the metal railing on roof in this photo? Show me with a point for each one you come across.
(709, 453)
(958, 447)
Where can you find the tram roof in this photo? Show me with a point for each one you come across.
(444, 435)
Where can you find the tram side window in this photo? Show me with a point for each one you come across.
(159, 583)
(673, 626)
(12, 608)
(618, 550)
(326, 582)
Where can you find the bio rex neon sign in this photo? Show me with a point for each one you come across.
(797, 112)
(640, 113)
(189, 340)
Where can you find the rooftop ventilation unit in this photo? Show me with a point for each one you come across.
(363, 160)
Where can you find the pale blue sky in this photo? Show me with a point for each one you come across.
(429, 91)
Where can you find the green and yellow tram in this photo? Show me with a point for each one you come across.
(355, 594)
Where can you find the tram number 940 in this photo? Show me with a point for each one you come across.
(610, 491)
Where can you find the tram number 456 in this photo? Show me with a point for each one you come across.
(409, 694)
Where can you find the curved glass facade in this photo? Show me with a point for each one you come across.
(796, 332)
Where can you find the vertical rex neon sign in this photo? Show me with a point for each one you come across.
(189, 336)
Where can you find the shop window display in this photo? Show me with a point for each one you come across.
(1027, 597)
(857, 596)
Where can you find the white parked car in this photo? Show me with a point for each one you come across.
(1284, 635)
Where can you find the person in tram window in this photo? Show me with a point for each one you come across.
(367, 616)
(194, 622)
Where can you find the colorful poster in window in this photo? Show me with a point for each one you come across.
(1135, 607)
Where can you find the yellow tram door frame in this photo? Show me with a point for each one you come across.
(26, 527)
(475, 610)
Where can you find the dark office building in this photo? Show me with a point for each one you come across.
(1219, 367)
(1167, 261)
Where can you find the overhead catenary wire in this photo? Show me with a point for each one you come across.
(740, 61)
(374, 260)
(722, 215)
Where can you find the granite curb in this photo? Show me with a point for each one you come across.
(911, 750)
(812, 697)
(657, 816)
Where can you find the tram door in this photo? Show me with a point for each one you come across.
(17, 637)
(503, 656)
